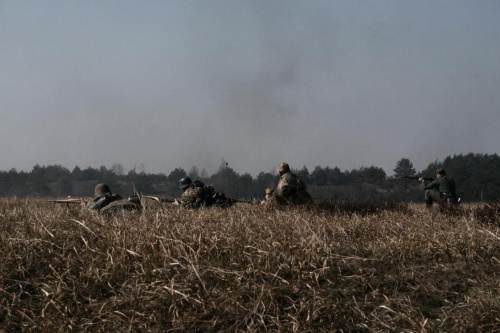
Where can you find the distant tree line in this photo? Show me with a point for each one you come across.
(477, 177)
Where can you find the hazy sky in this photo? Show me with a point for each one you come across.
(181, 83)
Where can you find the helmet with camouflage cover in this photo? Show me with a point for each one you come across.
(185, 182)
(102, 189)
(283, 167)
(269, 191)
(440, 171)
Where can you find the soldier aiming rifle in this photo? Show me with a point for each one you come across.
(105, 202)
(441, 190)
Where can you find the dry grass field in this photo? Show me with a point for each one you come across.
(340, 267)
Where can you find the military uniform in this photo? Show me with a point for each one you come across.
(197, 197)
(122, 206)
(442, 190)
(102, 197)
(291, 189)
(106, 202)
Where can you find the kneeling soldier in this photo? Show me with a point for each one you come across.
(291, 189)
(441, 190)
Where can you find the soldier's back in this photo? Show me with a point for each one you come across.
(292, 190)
(101, 201)
(446, 185)
(121, 206)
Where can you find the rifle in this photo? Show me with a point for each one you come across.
(69, 201)
(160, 200)
(416, 178)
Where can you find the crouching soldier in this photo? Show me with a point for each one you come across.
(184, 184)
(291, 189)
(108, 203)
(198, 195)
(441, 190)
(195, 194)
(268, 195)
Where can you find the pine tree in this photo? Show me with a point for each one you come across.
(404, 168)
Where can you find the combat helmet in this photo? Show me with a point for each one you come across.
(102, 189)
(185, 183)
(283, 167)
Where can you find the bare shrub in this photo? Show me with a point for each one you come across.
(489, 214)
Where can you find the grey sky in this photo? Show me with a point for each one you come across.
(182, 83)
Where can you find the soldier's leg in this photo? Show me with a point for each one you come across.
(428, 199)
(432, 196)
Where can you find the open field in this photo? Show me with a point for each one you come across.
(342, 267)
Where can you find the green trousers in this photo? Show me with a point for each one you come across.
(434, 196)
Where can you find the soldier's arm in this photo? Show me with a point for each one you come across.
(431, 185)
(190, 200)
(287, 186)
(276, 197)
(98, 204)
(287, 190)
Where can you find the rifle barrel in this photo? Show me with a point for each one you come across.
(161, 200)
(416, 177)
(68, 201)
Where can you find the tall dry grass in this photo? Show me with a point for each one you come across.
(363, 267)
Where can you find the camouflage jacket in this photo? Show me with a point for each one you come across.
(197, 197)
(291, 190)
